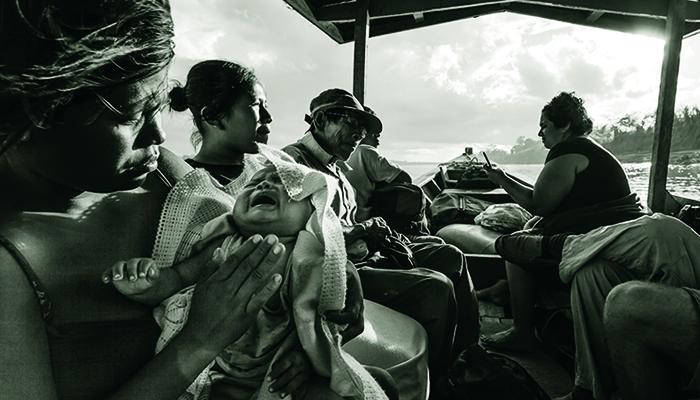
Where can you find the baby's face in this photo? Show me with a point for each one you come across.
(264, 207)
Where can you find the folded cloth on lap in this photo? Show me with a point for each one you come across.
(541, 246)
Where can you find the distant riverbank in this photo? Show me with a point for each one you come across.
(683, 178)
(676, 158)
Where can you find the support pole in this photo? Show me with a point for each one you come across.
(360, 59)
(665, 112)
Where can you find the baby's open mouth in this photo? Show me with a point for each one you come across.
(262, 199)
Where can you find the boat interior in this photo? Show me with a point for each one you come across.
(356, 21)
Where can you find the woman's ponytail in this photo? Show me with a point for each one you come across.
(178, 99)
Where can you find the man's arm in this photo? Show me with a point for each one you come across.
(381, 169)
(402, 177)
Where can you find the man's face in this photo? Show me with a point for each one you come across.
(264, 207)
(341, 133)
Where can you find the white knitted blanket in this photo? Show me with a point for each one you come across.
(196, 199)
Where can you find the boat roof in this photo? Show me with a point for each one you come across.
(336, 18)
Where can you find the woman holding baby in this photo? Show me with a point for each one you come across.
(82, 85)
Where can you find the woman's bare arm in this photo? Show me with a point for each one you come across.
(26, 366)
(197, 265)
(553, 184)
(223, 307)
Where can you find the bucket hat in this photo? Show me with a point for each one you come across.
(342, 100)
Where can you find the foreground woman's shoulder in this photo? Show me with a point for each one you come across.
(22, 337)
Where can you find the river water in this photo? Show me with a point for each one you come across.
(683, 180)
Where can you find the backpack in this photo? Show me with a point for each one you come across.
(481, 375)
(402, 205)
(454, 208)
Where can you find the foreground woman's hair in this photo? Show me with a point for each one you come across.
(54, 55)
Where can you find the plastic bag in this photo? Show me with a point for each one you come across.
(503, 218)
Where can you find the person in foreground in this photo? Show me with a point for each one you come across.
(582, 186)
(82, 84)
(653, 333)
(229, 109)
(368, 170)
(279, 199)
(664, 253)
(338, 122)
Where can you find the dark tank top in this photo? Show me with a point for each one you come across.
(90, 359)
(79, 371)
(603, 180)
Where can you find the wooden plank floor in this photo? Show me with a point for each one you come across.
(550, 375)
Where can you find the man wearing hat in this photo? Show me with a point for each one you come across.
(369, 168)
(338, 122)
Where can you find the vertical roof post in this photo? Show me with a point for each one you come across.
(360, 60)
(665, 111)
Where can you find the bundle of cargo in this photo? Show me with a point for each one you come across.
(466, 173)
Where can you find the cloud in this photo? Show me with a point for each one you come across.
(437, 89)
(260, 58)
(445, 70)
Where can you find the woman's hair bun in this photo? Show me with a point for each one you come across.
(178, 99)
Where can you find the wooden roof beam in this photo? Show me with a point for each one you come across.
(665, 112)
(616, 22)
(361, 33)
(622, 23)
(594, 16)
(345, 12)
(385, 26)
(649, 8)
(307, 11)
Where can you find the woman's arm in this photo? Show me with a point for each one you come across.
(193, 268)
(402, 177)
(223, 307)
(22, 337)
(553, 184)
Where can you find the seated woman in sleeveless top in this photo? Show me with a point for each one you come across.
(581, 187)
(81, 85)
(228, 105)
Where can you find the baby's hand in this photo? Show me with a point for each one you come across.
(132, 277)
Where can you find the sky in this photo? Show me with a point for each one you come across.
(477, 82)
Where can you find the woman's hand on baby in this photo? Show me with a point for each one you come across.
(132, 277)
(289, 373)
(226, 301)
